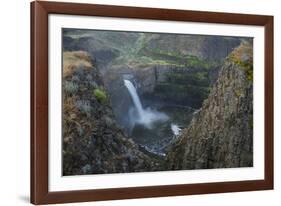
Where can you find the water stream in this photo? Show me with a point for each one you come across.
(153, 127)
(146, 117)
(133, 92)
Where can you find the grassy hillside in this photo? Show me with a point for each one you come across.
(144, 49)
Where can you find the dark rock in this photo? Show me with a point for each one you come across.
(221, 133)
(93, 143)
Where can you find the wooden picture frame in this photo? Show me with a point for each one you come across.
(39, 102)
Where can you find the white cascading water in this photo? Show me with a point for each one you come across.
(145, 116)
(175, 128)
(133, 92)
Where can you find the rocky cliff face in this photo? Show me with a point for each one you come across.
(221, 132)
(92, 141)
(102, 54)
(174, 85)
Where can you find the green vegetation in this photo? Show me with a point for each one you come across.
(100, 94)
(190, 90)
(138, 49)
(70, 87)
(247, 66)
(251, 122)
(238, 92)
(181, 86)
(142, 56)
(74, 60)
(195, 62)
(193, 78)
(179, 93)
(178, 59)
(243, 57)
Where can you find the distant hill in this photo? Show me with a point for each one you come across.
(133, 48)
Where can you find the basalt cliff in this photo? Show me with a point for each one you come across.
(92, 141)
(221, 132)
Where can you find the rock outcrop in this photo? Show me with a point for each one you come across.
(92, 141)
(177, 85)
(221, 132)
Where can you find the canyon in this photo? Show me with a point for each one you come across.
(136, 102)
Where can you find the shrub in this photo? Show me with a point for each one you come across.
(243, 57)
(100, 95)
(73, 60)
(70, 87)
(84, 106)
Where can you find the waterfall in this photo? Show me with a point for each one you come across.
(133, 92)
(145, 116)
(175, 128)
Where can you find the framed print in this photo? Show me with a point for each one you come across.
(131, 102)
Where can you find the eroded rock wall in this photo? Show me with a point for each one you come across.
(221, 132)
(92, 141)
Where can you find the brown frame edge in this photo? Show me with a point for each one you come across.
(39, 102)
